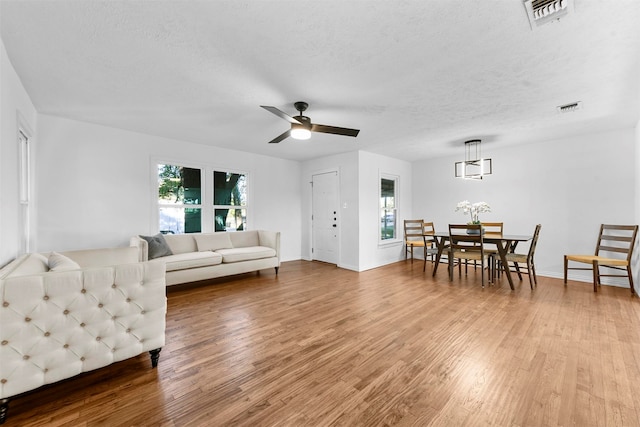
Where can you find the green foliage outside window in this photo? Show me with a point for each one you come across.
(179, 186)
(229, 194)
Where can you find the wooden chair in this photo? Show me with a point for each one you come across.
(430, 246)
(526, 259)
(493, 228)
(613, 250)
(467, 243)
(413, 229)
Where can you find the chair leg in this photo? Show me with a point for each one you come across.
(596, 276)
(630, 280)
(535, 278)
(566, 265)
(424, 264)
(517, 267)
(531, 277)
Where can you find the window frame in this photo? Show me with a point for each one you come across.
(206, 206)
(383, 209)
(159, 204)
(244, 207)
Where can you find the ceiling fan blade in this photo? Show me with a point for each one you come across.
(281, 114)
(280, 138)
(335, 130)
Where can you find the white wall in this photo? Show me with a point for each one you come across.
(95, 185)
(14, 103)
(359, 174)
(636, 255)
(347, 167)
(372, 253)
(570, 186)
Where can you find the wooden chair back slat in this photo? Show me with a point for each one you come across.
(413, 229)
(534, 242)
(620, 241)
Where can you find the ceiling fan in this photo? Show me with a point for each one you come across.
(301, 126)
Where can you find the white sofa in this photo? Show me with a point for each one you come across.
(201, 256)
(64, 314)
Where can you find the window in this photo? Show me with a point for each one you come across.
(229, 201)
(388, 207)
(179, 199)
(24, 181)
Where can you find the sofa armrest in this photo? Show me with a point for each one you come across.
(143, 247)
(270, 239)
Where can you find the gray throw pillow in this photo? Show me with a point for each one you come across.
(158, 247)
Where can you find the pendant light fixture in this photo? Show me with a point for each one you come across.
(473, 166)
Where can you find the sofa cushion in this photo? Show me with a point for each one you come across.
(213, 241)
(241, 239)
(181, 243)
(89, 258)
(59, 262)
(27, 264)
(158, 247)
(191, 260)
(245, 254)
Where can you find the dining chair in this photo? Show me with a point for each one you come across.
(430, 243)
(413, 229)
(613, 250)
(466, 243)
(492, 250)
(527, 259)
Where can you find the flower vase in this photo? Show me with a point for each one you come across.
(470, 231)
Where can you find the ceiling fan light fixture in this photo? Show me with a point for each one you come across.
(301, 126)
(300, 132)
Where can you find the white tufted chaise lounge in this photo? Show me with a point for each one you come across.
(58, 323)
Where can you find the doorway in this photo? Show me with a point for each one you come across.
(324, 219)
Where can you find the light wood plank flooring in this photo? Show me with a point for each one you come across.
(321, 346)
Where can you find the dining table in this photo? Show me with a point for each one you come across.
(505, 243)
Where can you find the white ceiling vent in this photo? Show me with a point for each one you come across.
(542, 12)
(568, 108)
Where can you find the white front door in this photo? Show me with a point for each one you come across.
(325, 217)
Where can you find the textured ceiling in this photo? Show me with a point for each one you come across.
(417, 77)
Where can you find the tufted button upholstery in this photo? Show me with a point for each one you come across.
(56, 325)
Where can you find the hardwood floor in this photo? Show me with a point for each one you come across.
(319, 346)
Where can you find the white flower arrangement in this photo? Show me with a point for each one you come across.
(473, 209)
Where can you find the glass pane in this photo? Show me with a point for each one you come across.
(387, 193)
(180, 220)
(387, 224)
(230, 219)
(229, 189)
(177, 184)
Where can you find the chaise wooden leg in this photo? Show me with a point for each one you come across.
(155, 356)
(4, 408)
(277, 270)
